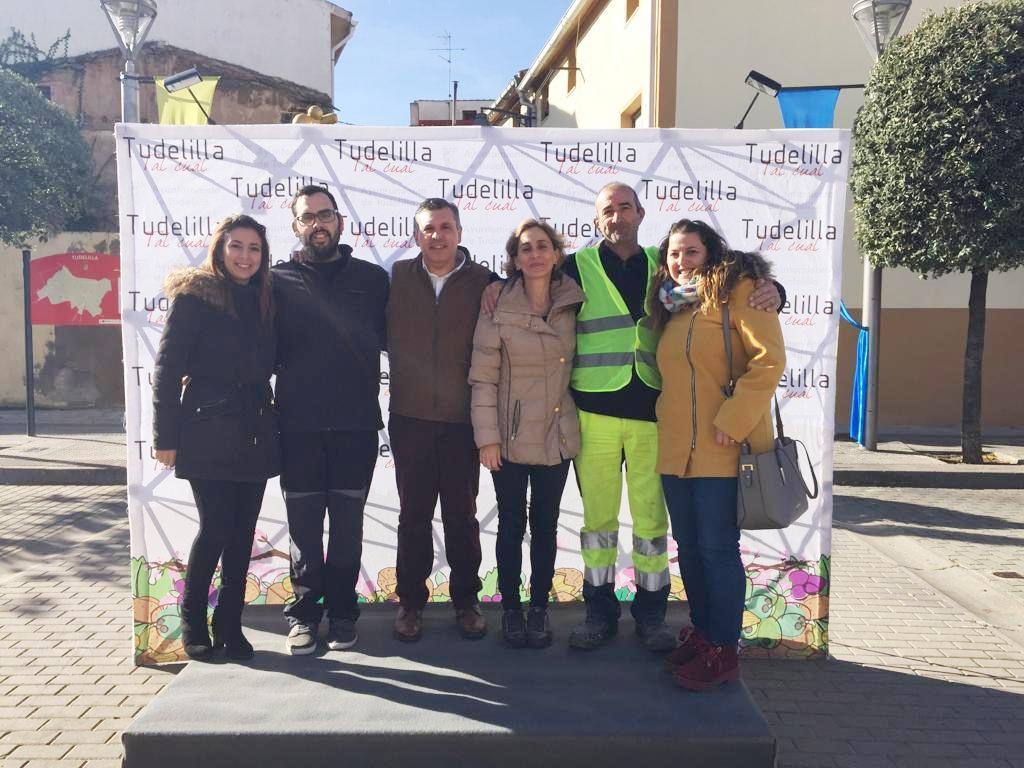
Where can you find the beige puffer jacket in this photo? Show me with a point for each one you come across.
(520, 376)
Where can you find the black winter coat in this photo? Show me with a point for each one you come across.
(330, 334)
(224, 426)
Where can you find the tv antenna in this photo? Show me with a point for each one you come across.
(448, 54)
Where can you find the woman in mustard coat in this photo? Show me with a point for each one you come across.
(700, 430)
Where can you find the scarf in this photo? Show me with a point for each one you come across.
(674, 296)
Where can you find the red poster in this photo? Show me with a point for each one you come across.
(75, 289)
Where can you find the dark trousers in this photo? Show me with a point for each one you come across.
(326, 471)
(228, 512)
(436, 459)
(703, 514)
(546, 485)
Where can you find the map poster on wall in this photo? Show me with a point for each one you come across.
(75, 289)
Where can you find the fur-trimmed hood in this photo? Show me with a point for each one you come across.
(198, 282)
(753, 265)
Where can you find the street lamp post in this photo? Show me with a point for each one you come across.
(878, 22)
(131, 21)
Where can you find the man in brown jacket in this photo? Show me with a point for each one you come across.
(431, 316)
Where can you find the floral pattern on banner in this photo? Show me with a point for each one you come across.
(786, 612)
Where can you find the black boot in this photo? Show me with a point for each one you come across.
(194, 636)
(227, 633)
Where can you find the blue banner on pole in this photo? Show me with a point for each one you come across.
(859, 395)
(808, 107)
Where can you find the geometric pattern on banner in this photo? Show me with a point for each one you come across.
(781, 192)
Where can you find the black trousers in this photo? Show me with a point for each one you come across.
(546, 485)
(228, 512)
(326, 472)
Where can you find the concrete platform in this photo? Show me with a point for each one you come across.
(444, 701)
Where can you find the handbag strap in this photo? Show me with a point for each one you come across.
(730, 388)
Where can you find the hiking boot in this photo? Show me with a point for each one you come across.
(471, 622)
(341, 634)
(302, 638)
(655, 635)
(712, 666)
(594, 632)
(538, 628)
(513, 628)
(408, 626)
(687, 649)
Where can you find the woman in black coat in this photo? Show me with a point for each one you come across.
(220, 434)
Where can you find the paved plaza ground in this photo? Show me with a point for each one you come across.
(921, 674)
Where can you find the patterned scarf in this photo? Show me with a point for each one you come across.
(675, 296)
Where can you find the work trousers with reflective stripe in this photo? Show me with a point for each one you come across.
(607, 442)
(326, 472)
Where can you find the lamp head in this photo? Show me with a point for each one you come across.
(763, 83)
(130, 20)
(879, 21)
(182, 80)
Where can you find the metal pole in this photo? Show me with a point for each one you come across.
(129, 93)
(30, 383)
(455, 98)
(871, 316)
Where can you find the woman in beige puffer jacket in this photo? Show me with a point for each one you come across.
(524, 420)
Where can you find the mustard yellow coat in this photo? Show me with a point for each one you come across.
(692, 403)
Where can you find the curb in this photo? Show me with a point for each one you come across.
(909, 478)
(63, 476)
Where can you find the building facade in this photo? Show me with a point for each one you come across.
(674, 64)
(439, 111)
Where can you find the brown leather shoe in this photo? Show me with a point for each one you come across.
(471, 622)
(408, 626)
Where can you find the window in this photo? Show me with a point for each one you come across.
(468, 114)
(631, 115)
(45, 90)
(545, 102)
(631, 8)
(570, 65)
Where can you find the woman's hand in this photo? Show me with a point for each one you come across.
(490, 457)
(723, 439)
(167, 457)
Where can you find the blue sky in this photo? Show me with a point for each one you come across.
(389, 63)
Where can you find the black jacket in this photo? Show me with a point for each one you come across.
(223, 426)
(330, 334)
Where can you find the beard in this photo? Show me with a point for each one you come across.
(326, 251)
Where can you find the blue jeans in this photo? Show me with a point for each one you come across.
(703, 514)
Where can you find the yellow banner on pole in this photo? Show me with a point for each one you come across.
(181, 107)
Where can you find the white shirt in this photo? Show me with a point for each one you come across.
(438, 281)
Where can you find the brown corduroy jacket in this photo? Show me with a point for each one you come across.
(430, 340)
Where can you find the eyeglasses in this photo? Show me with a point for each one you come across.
(324, 216)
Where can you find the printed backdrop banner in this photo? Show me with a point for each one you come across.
(780, 192)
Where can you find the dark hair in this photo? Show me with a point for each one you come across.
(512, 248)
(437, 204)
(215, 258)
(312, 189)
(719, 256)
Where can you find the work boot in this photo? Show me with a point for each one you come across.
(471, 622)
(513, 628)
(687, 649)
(713, 665)
(594, 632)
(538, 628)
(655, 635)
(408, 626)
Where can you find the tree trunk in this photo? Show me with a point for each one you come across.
(971, 425)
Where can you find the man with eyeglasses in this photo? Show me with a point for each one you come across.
(329, 316)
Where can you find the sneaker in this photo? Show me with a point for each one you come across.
(687, 649)
(655, 635)
(513, 628)
(302, 638)
(594, 632)
(538, 628)
(341, 634)
(471, 622)
(713, 665)
(408, 625)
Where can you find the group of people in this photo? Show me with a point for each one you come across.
(607, 358)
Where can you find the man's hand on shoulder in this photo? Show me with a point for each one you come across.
(765, 296)
(489, 298)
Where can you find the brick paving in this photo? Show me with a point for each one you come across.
(915, 680)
